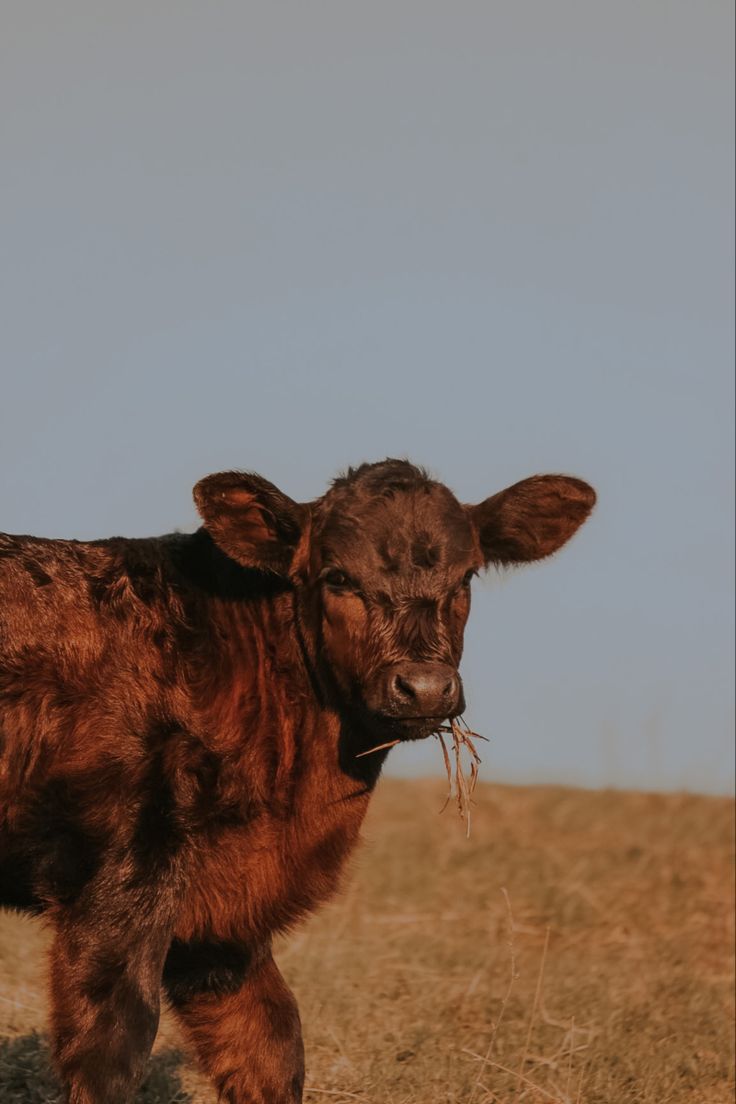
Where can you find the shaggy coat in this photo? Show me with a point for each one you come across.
(180, 725)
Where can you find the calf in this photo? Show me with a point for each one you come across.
(181, 721)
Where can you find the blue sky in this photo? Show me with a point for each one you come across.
(494, 237)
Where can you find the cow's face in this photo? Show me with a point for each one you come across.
(382, 567)
(390, 562)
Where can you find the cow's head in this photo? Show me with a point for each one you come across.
(382, 567)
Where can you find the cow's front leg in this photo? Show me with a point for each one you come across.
(242, 1019)
(105, 997)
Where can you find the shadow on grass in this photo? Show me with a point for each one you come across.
(26, 1076)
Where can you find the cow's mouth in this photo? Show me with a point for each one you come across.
(409, 728)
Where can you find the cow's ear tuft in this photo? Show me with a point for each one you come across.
(250, 519)
(531, 519)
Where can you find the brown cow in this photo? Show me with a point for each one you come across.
(180, 720)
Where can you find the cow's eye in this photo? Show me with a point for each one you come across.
(469, 576)
(337, 579)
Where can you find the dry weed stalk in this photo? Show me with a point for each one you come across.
(535, 1006)
(514, 977)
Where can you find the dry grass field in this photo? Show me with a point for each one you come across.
(577, 949)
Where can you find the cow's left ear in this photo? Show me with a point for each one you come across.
(531, 519)
(250, 519)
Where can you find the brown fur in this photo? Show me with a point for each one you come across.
(180, 725)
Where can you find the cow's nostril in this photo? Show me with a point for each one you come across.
(404, 689)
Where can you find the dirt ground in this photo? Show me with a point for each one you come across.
(578, 949)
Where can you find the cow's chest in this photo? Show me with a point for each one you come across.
(254, 880)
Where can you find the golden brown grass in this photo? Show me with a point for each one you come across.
(577, 949)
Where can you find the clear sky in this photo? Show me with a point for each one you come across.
(495, 237)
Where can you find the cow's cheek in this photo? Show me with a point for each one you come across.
(459, 610)
(344, 627)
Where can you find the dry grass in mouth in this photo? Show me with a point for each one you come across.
(460, 786)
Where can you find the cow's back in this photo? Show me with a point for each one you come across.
(44, 592)
(71, 594)
(83, 635)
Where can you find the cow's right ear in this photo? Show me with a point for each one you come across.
(250, 519)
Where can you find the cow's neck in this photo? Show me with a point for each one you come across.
(270, 711)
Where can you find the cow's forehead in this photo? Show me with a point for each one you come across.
(426, 528)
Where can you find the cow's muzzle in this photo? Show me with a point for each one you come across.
(416, 691)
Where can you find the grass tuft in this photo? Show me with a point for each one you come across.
(26, 1075)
